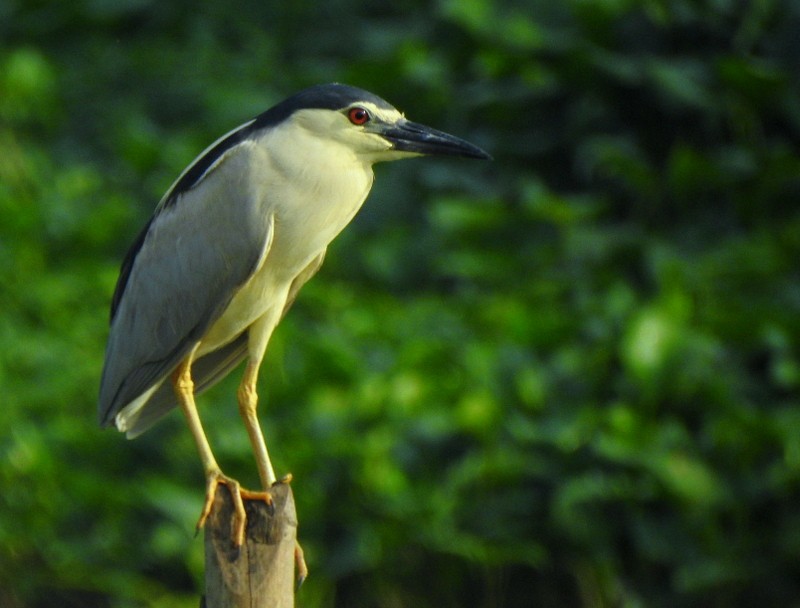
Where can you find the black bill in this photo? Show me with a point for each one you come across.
(407, 136)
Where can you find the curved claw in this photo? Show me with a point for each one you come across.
(300, 562)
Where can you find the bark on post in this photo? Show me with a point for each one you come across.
(260, 574)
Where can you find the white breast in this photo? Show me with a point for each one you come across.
(310, 198)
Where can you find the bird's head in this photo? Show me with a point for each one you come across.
(367, 125)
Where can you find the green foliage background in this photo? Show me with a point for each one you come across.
(565, 378)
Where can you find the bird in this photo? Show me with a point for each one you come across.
(226, 251)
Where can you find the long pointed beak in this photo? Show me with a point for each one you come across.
(407, 136)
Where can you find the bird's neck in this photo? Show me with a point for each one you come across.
(318, 192)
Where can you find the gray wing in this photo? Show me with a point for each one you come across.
(206, 372)
(213, 367)
(202, 244)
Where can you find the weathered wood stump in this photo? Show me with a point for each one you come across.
(259, 574)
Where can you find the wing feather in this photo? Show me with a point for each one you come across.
(213, 367)
(205, 162)
(186, 266)
(206, 372)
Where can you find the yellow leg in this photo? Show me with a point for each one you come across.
(184, 390)
(248, 402)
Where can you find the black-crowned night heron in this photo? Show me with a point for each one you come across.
(229, 246)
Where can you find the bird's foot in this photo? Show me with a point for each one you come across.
(238, 495)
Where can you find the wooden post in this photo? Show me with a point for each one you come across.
(260, 574)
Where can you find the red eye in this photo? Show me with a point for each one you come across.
(358, 116)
